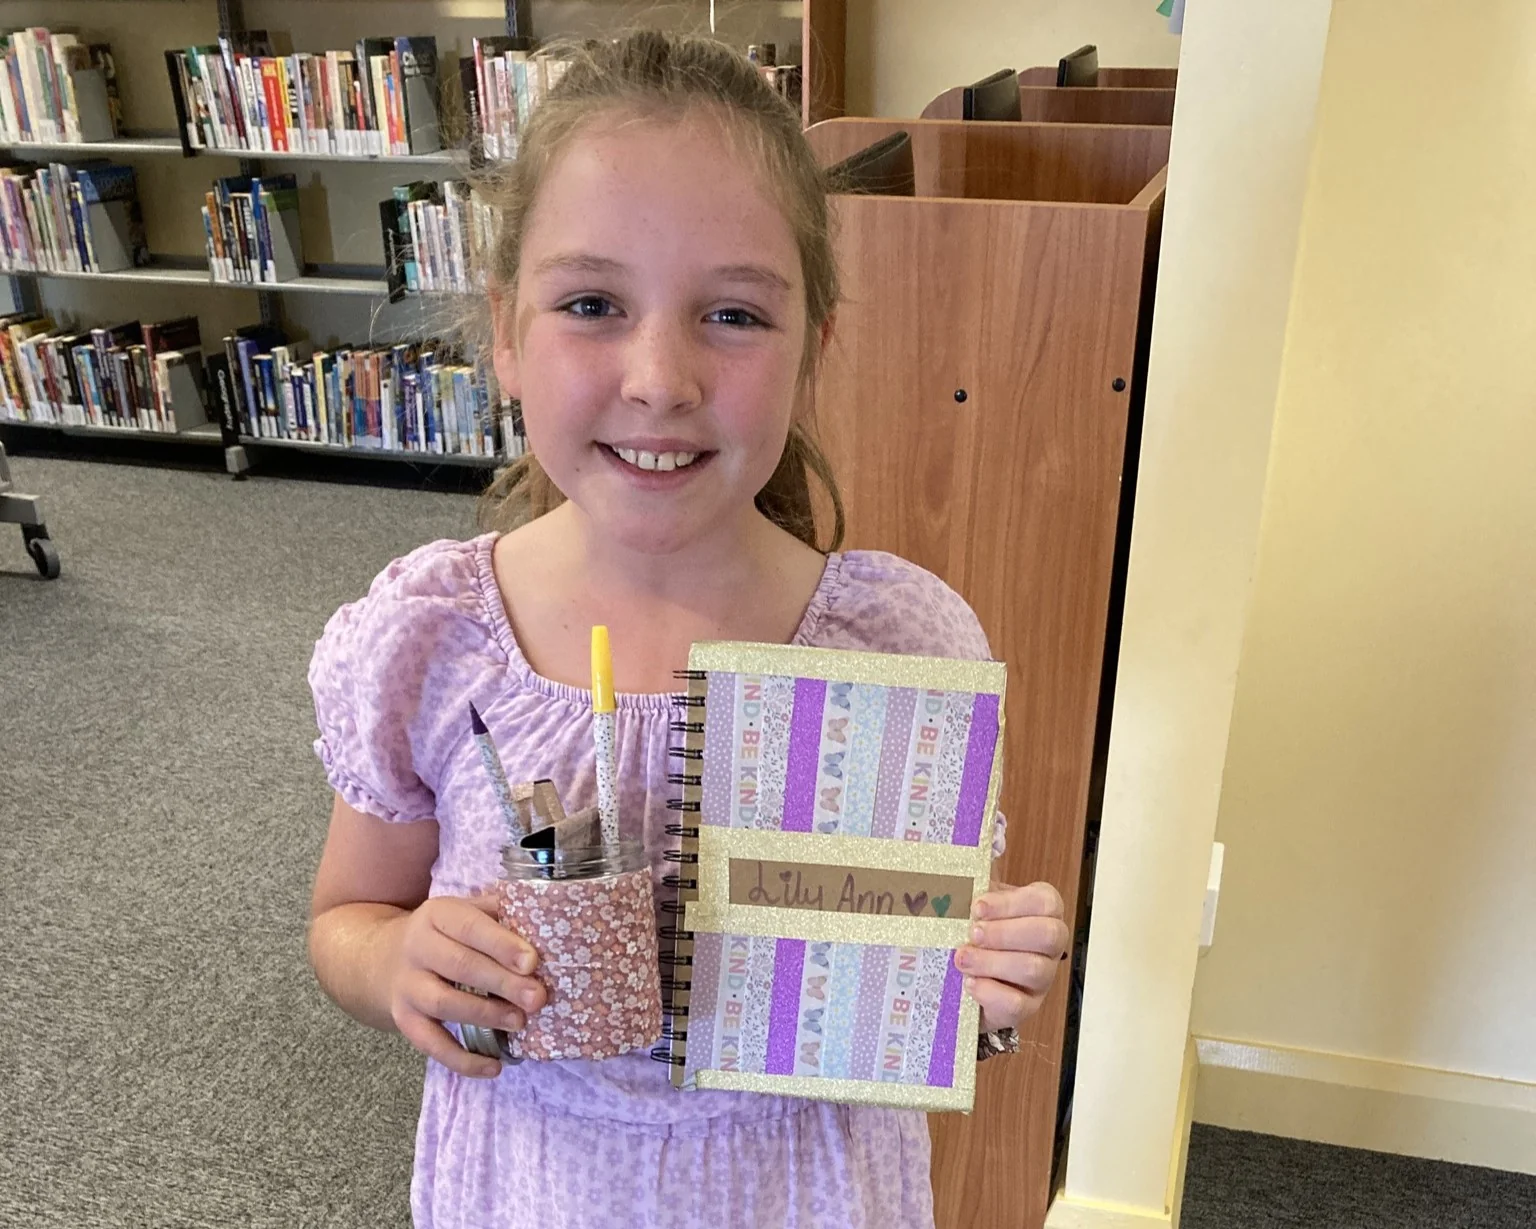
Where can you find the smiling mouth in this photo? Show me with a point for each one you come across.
(653, 462)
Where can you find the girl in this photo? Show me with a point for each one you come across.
(661, 293)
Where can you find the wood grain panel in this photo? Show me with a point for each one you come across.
(1049, 105)
(1046, 104)
(1011, 496)
(948, 105)
(824, 52)
(1108, 164)
(1109, 78)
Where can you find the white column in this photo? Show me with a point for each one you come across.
(1242, 140)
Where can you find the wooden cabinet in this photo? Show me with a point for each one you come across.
(1109, 78)
(824, 54)
(974, 403)
(1050, 104)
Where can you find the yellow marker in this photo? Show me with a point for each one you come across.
(602, 672)
(605, 736)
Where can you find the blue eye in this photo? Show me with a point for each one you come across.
(736, 317)
(590, 307)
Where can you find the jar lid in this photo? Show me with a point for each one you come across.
(487, 1042)
(525, 861)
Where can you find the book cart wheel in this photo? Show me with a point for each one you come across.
(42, 550)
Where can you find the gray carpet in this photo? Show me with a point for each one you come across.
(165, 1056)
(1239, 1180)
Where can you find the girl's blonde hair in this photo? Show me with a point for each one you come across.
(651, 75)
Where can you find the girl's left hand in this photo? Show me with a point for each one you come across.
(1017, 941)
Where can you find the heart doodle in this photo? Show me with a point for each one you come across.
(915, 903)
(940, 904)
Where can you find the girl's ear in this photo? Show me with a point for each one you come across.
(827, 326)
(504, 356)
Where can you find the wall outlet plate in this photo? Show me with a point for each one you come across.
(1212, 896)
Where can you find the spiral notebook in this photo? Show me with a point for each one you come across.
(836, 822)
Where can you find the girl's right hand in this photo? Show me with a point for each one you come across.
(450, 939)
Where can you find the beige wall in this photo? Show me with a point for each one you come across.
(1379, 801)
(903, 52)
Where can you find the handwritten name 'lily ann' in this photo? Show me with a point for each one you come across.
(793, 892)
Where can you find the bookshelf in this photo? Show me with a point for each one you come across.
(209, 439)
(445, 157)
(180, 271)
(378, 454)
(208, 434)
(171, 146)
(120, 148)
(343, 296)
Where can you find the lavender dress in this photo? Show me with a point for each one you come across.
(596, 1144)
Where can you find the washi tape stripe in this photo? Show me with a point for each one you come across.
(704, 995)
(804, 755)
(874, 968)
(900, 707)
(718, 765)
(941, 1066)
(783, 1016)
(977, 777)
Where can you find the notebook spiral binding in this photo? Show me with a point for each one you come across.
(676, 941)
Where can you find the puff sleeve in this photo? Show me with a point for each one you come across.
(380, 673)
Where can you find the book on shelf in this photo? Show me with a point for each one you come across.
(15, 329)
(436, 237)
(102, 377)
(401, 270)
(396, 249)
(52, 356)
(369, 52)
(509, 80)
(70, 219)
(379, 98)
(464, 122)
(180, 335)
(217, 95)
(428, 397)
(55, 89)
(239, 348)
(101, 369)
(419, 91)
(222, 403)
(251, 229)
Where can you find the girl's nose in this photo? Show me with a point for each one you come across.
(661, 371)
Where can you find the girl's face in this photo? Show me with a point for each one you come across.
(657, 335)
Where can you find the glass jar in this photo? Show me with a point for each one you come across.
(591, 915)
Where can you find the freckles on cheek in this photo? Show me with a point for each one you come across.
(524, 322)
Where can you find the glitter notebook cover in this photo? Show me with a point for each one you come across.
(837, 812)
